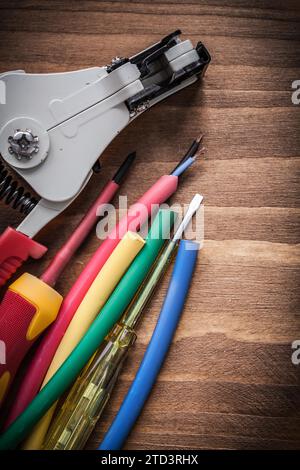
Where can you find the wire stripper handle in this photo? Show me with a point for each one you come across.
(15, 248)
(27, 308)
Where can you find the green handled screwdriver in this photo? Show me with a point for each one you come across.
(91, 391)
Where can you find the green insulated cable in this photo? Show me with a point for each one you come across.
(110, 314)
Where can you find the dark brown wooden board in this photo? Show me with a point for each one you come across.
(228, 381)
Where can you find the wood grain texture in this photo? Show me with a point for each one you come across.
(228, 382)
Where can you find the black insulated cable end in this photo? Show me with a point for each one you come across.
(118, 177)
(192, 150)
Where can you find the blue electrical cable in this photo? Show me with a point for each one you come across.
(157, 348)
(183, 166)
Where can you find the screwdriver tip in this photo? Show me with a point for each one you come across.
(196, 201)
(118, 177)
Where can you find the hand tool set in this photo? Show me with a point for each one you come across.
(97, 295)
(31, 304)
(53, 127)
(164, 187)
(91, 391)
(52, 137)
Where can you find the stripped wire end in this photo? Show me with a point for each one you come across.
(183, 166)
(200, 152)
(199, 138)
(193, 149)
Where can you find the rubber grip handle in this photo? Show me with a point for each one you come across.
(27, 308)
(15, 248)
(16, 314)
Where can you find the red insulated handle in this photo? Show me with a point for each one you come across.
(16, 314)
(15, 248)
(28, 308)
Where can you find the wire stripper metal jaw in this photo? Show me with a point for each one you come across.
(54, 127)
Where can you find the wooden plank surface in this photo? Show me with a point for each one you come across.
(228, 381)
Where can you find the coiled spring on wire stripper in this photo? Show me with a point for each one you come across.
(13, 194)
